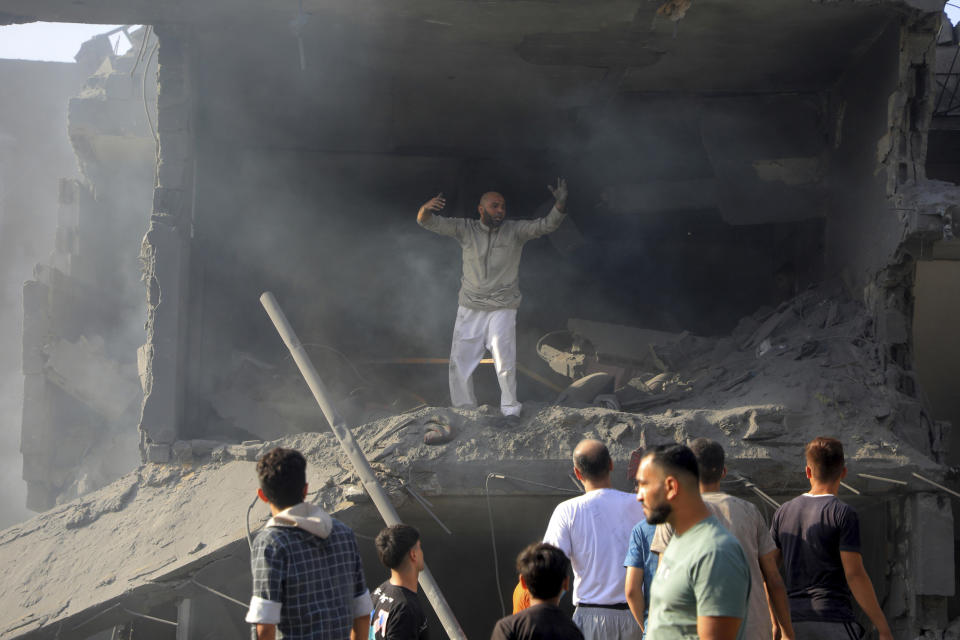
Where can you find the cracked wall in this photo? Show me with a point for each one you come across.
(81, 309)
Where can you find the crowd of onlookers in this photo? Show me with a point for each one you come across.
(680, 559)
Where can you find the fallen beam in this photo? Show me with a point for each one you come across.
(362, 467)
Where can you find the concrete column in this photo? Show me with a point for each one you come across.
(165, 252)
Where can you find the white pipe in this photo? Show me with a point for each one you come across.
(937, 485)
(844, 484)
(359, 461)
(870, 476)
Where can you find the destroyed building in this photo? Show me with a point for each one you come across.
(760, 249)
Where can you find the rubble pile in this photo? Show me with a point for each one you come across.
(814, 364)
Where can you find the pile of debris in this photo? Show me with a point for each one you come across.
(813, 363)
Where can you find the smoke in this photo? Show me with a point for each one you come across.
(309, 181)
(34, 154)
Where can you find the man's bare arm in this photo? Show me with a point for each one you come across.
(361, 627)
(718, 627)
(777, 599)
(435, 203)
(633, 589)
(266, 631)
(862, 589)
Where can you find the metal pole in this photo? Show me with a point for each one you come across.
(359, 461)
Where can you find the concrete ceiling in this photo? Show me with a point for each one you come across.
(719, 46)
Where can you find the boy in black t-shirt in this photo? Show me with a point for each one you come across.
(544, 572)
(818, 539)
(397, 613)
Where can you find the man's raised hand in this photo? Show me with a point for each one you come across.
(435, 203)
(559, 193)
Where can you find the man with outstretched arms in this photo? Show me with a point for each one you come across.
(489, 289)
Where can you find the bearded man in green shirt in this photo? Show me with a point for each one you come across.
(702, 585)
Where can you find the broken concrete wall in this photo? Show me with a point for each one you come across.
(82, 310)
(35, 153)
(165, 252)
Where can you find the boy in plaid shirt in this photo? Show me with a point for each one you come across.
(307, 575)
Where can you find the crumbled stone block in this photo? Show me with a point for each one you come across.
(158, 453)
(618, 431)
(241, 452)
(355, 494)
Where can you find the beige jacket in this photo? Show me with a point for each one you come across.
(491, 256)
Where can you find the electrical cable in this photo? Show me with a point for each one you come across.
(143, 46)
(493, 542)
(146, 617)
(426, 507)
(339, 353)
(218, 593)
(501, 476)
(247, 522)
(493, 535)
(143, 92)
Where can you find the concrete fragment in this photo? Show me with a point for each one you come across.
(241, 452)
(355, 493)
(763, 426)
(619, 431)
(158, 453)
(584, 390)
(622, 343)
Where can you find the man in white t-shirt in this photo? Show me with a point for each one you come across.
(594, 531)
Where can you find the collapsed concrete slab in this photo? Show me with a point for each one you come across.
(143, 543)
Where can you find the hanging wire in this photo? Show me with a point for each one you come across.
(493, 535)
(493, 543)
(143, 91)
(143, 46)
(218, 593)
(247, 522)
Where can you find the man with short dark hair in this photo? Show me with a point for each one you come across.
(744, 521)
(593, 530)
(397, 612)
(702, 583)
(543, 573)
(307, 575)
(818, 537)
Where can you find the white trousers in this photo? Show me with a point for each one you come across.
(474, 332)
